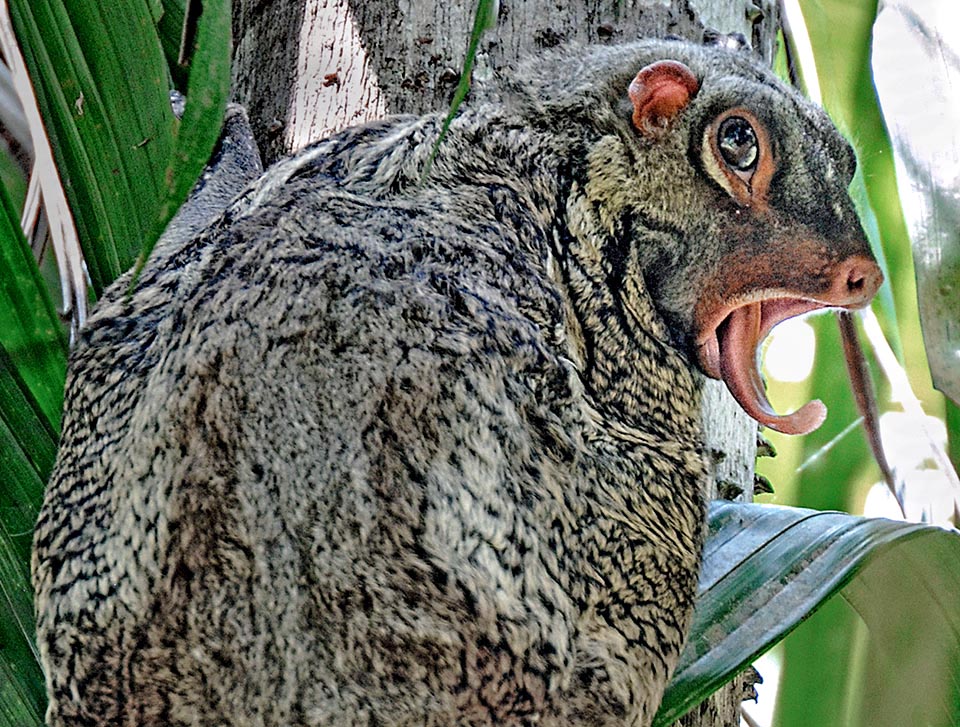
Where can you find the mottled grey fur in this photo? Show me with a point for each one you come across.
(375, 452)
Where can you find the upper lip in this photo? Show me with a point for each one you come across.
(776, 306)
(853, 284)
(732, 330)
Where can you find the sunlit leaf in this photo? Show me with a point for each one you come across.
(912, 665)
(767, 568)
(917, 71)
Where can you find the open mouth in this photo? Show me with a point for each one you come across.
(732, 327)
(729, 350)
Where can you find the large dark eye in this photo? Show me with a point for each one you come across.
(737, 142)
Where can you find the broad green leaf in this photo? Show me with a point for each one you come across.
(207, 90)
(30, 330)
(170, 30)
(32, 370)
(912, 607)
(22, 697)
(917, 71)
(767, 568)
(103, 89)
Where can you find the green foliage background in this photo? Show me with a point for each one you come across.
(830, 665)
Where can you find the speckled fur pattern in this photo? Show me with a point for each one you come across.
(371, 450)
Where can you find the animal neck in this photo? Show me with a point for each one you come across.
(619, 341)
(614, 335)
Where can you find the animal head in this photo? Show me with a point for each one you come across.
(726, 190)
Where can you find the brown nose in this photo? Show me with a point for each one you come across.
(856, 281)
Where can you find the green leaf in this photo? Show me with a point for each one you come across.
(126, 167)
(12, 178)
(30, 330)
(32, 371)
(22, 696)
(170, 30)
(207, 90)
(921, 118)
(103, 89)
(767, 568)
(484, 19)
(911, 604)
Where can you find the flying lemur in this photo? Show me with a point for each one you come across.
(387, 447)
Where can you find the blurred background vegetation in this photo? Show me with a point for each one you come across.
(102, 80)
(828, 673)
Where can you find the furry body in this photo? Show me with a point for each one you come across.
(374, 452)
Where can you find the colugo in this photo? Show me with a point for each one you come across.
(377, 447)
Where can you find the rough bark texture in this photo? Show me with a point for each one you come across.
(265, 38)
(306, 68)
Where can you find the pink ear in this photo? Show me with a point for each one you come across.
(659, 92)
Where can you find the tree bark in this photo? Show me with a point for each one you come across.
(266, 34)
(307, 68)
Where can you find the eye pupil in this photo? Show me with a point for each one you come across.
(737, 142)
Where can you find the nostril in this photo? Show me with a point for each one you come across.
(861, 278)
(856, 281)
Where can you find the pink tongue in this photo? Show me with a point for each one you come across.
(739, 337)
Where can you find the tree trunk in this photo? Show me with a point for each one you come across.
(307, 68)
